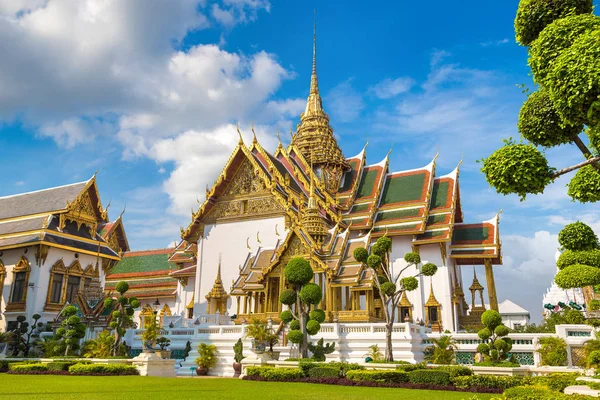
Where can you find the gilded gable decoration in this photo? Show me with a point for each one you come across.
(41, 253)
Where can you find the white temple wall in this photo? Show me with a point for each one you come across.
(40, 277)
(230, 240)
(183, 297)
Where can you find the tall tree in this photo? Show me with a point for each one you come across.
(563, 37)
(121, 317)
(391, 283)
(300, 298)
(71, 330)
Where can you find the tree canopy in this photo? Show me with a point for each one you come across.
(579, 263)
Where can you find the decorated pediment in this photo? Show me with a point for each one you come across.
(245, 182)
(85, 210)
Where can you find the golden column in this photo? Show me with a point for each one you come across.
(491, 285)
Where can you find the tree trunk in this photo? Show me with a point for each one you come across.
(117, 343)
(304, 344)
(389, 354)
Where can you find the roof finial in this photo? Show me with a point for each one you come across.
(237, 127)
(314, 83)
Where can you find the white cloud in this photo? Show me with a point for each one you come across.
(344, 102)
(437, 56)
(389, 88)
(494, 42)
(234, 12)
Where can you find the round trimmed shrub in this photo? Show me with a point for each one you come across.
(122, 287)
(286, 316)
(501, 330)
(491, 319)
(313, 327)
(288, 297)
(135, 303)
(540, 123)
(388, 288)
(584, 187)
(594, 305)
(517, 168)
(116, 314)
(295, 336)
(361, 254)
(374, 261)
(377, 250)
(295, 325)
(578, 236)
(409, 283)
(574, 317)
(588, 257)
(317, 315)
(484, 334)
(122, 300)
(534, 15)
(382, 279)
(108, 302)
(500, 344)
(311, 293)
(594, 359)
(385, 243)
(412, 258)
(129, 311)
(577, 276)
(429, 269)
(298, 271)
(483, 348)
(556, 38)
(573, 83)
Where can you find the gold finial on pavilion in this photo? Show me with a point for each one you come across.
(254, 140)
(237, 127)
(314, 82)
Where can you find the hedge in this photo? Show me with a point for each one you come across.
(306, 366)
(536, 393)
(560, 381)
(378, 376)
(103, 369)
(411, 367)
(324, 372)
(488, 381)
(282, 374)
(430, 377)
(22, 368)
(60, 365)
(455, 370)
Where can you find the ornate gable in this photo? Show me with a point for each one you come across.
(245, 182)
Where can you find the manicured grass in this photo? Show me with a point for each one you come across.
(45, 387)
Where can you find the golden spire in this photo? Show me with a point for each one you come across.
(431, 301)
(312, 221)
(217, 292)
(314, 82)
(475, 285)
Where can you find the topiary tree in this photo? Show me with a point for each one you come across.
(319, 350)
(24, 332)
(121, 318)
(564, 40)
(496, 344)
(390, 283)
(579, 264)
(71, 330)
(302, 296)
(553, 351)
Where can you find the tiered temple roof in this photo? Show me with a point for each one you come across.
(147, 273)
(69, 217)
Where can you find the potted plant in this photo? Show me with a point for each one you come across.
(238, 356)
(207, 358)
(5, 338)
(163, 343)
(259, 332)
(150, 336)
(272, 340)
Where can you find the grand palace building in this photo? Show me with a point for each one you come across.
(306, 199)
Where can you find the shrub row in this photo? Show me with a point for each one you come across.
(430, 377)
(379, 376)
(103, 369)
(324, 372)
(536, 393)
(306, 366)
(556, 382)
(22, 368)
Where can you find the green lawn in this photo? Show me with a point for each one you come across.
(16, 387)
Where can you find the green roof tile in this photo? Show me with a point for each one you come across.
(402, 189)
(143, 263)
(436, 219)
(478, 234)
(350, 176)
(367, 181)
(439, 196)
(360, 207)
(397, 214)
(432, 234)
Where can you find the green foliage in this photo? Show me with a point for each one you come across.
(311, 293)
(594, 305)
(534, 15)
(238, 351)
(207, 355)
(100, 347)
(487, 381)
(287, 316)
(412, 367)
(412, 258)
(585, 185)
(574, 81)
(455, 370)
(361, 254)
(501, 330)
(535, 393)
(578, 236)
(374, 354)
(574, 317)
(60, 365)
(163, 342)
(494, 335)
(553, 351)
(295, 325)
(317, 315)
(381, 376)
(122, 287)
(256, 371)
(288, 297)
(587, 257)
(444, 350)
(313, 327)
(151, 330)
(409, 283)
(388, 289)
(429, 376)
(258, 330)
(21, 368)
(384, 243)
(103, 369)
(560, 381)
(298, 271)
(295, 336)
(72, 330)
(429, 269)
(281, 374)
(374, 261)
(577, 276)
(324, 372)
(320, 349)
(594, 359)
(541, 125)
(23, 334)
(557, 37)
(517, 168)
(491, 319)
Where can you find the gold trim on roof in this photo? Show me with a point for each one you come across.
(432, 301)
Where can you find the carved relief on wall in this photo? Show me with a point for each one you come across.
(226, 209)
(295, 248)
(245, 182)
(262, 206)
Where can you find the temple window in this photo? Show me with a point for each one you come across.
(433, 311)
(57, 284)
(405, 306)
(73, 284)
(18, 293)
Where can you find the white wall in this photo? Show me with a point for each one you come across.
(229, 241)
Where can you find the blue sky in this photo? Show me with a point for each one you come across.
(148, 92)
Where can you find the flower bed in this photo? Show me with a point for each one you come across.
(69, 368)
